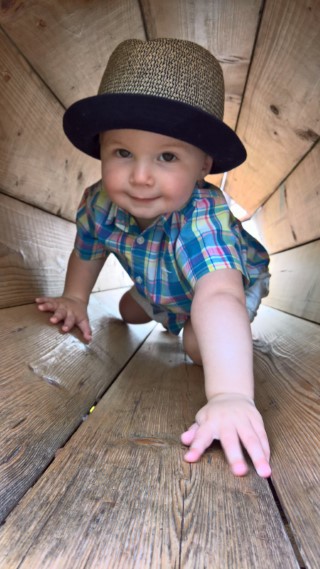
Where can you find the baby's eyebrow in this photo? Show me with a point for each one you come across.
(170, 148)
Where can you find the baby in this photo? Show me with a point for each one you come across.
(156, 124)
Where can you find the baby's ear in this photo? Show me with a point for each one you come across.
(207, 165)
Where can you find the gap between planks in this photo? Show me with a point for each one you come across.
(49, 380)
(120, 495)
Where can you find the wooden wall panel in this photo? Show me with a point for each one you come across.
(291, 216)
(38, 164)
(279, 120)
(226, 27)
(69, 42)
(294, 283)
(34, 251)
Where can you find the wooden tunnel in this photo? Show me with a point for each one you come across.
(109, 488)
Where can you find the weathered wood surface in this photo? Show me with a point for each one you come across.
(38, 165)
(279, 119)
(287, 363)
(48, 383)
(68, 43)
(226, 27)
(34, 252)
(120, 495)
(294, 283)
(291, 216)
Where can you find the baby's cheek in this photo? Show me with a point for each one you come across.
(111, 182)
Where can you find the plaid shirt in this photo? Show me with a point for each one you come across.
(166, 259)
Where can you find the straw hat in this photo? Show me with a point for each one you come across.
(168, 86)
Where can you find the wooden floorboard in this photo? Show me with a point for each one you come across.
(120, 495)
(287, 363)
(49, 381)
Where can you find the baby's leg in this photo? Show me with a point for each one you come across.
(131, 311)
(190, 344)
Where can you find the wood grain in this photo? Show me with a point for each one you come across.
(287, 359)
(69, 43)
(34, 250)
(279, 120)
(291, 216)
(48, 383)
(38, 165)
(226, 27)
(294, 283)
(120, 495)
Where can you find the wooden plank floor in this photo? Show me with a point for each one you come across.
(287, 364)
(118, 493)
(48, 383)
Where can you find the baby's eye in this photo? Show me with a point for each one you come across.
(167, 157)
(123, 153)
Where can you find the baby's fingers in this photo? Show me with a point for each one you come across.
(231, 445)
(258, 451)
(46, 304)
(69, 319)
(202, 439)
(84, 326)
(60, 314)
(188, 436)
(262, 435)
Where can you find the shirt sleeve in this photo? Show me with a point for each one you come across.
(210, 241)
(87, 245)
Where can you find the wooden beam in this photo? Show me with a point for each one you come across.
(286, 364)
(34, 250)
(294, 283)
(69, 43)
(291, 217)
(120, 495)
(280, 111)
(48, 383)
(38, 165)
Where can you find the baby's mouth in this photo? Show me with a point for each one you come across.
(144, 199)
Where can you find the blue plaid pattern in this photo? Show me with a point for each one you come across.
(166, 259)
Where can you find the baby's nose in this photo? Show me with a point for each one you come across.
(141, 173)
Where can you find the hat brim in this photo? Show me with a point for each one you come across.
(85, 119)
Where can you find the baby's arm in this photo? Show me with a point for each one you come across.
(220, 322)
(71, 307)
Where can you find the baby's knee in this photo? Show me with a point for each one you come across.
(131, 312)
(190, 344)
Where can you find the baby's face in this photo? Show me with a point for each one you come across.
(149, 174)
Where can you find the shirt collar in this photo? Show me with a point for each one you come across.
(120, 218)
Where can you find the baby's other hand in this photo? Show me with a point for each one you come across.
(70, 311)
(231, 418)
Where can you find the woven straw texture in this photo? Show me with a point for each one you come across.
(179, 70)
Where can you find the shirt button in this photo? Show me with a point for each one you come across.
(138, 280)
(140, 240)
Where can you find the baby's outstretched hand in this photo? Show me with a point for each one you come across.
(231, 418)
(70, 311)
